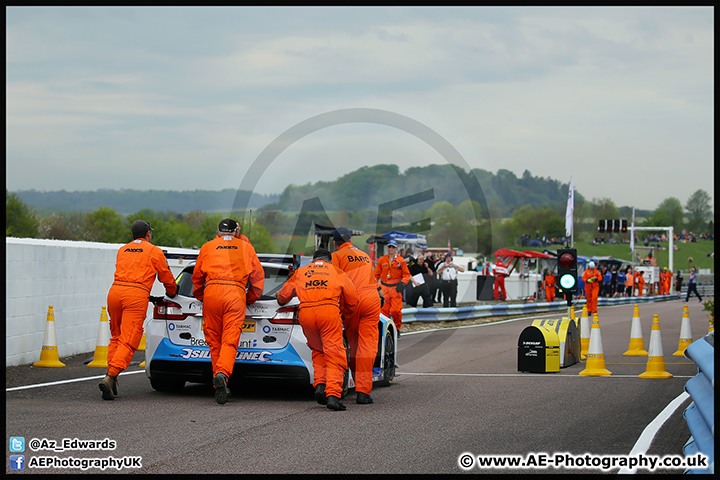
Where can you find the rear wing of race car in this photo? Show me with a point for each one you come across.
(186, 257)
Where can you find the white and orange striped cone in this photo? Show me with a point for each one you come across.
(685, 334)
(49, 356)
(103, 340)
(595, 365)
(584, 333)
(656, 360)
(637, 346)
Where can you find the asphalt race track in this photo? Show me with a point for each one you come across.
(458, 396)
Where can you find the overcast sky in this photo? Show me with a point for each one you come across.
(618, 99)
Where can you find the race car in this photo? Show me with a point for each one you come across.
(272, 344)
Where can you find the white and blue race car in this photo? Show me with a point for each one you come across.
(272, 344)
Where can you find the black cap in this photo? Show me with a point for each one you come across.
(342, 235)
(321, 253)
(140, 228)
(228, 225)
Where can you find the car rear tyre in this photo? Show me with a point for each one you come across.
(166, 384)
(388, 361)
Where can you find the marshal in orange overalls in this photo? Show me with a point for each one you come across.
(390, 273)
(640, 283)
(224, 268)
(361, 328)
(135, 268)
(668, 281)
(325, 293)
(592, 277)
(550, 287)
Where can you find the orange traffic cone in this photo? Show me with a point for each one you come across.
(103, 340)
(637, 346)
(49, 354)
(584, 333)
(685, 334)
(595, 365)
(656, 361)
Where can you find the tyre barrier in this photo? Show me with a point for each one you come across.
(480, 311)
(700, 415)
(538, 350)
(548, 345)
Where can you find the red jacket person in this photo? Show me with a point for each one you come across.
(326, 295)
(501, 271)
(226, 266)
(135, 268)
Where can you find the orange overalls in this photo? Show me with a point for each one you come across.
(640, 282)
(668, 281)
(390, 273)
(361, 328)
(325, 293)
(135, 269)
(550, 287)
(224, 267)
(592, 288)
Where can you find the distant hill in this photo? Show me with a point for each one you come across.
(128, 201)
(366, 187)
(371, 186)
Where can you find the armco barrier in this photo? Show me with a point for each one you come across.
(480, 311)
(700, 415)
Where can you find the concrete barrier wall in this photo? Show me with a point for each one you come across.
(73, 277)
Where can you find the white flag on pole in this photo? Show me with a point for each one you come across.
(569, 211)
(632, 233)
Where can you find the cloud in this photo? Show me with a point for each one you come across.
(610, 96)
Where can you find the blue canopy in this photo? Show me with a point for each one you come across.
(419, 240)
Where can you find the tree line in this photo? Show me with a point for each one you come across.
(466, 225)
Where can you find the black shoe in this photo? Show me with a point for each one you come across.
(222, 392)
(108, 387)
(320, 394)
(363, 398)
(334, 403)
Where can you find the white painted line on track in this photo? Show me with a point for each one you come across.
(62, 382)
(647, 436)
(545, 375)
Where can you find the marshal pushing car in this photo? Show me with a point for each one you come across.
(272, 344)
